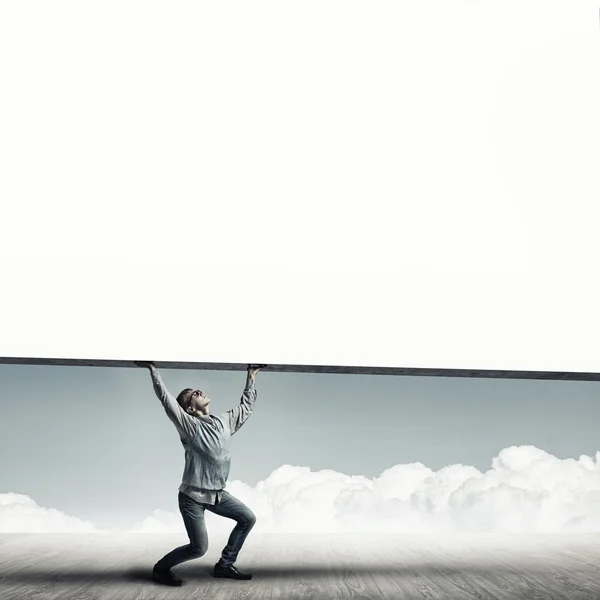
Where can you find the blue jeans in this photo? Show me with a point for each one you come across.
(193, 518)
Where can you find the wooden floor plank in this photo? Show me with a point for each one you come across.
(307, 567)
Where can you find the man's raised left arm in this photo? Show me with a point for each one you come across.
(239, 415)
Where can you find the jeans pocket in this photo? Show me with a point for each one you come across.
(185, 501)
(190, 506)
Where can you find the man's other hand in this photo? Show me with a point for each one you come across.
(254, 369)
(145, 363)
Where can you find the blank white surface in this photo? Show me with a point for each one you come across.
(406, 184)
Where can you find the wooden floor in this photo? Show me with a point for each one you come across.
(336, 567)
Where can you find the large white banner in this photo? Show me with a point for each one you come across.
(393, 184)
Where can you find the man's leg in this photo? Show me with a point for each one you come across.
(193, 518)
(232, 508)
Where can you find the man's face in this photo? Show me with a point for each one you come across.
(199, 400)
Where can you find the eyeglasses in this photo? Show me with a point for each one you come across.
(194, 394)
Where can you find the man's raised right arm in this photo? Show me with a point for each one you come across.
(184, 423)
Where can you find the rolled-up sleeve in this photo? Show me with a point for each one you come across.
(185, 424)
(238, 415)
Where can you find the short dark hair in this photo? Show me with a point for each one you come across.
(184, 398)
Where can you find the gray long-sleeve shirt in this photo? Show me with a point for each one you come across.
(206, 441)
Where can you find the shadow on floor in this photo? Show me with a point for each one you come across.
(270, 572)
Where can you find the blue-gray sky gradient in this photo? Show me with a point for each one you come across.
(96, 444)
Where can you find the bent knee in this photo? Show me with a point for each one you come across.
(196, 551)
(250, 520)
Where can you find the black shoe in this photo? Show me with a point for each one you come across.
(165, 576)
(229, 572)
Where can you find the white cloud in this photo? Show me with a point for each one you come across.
(525, 490)
(20, 514)
(161, 522)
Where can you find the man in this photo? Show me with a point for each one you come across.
(206, 439)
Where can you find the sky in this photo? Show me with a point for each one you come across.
(93, 445)
(387, 179)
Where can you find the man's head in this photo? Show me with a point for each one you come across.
(194, 402)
